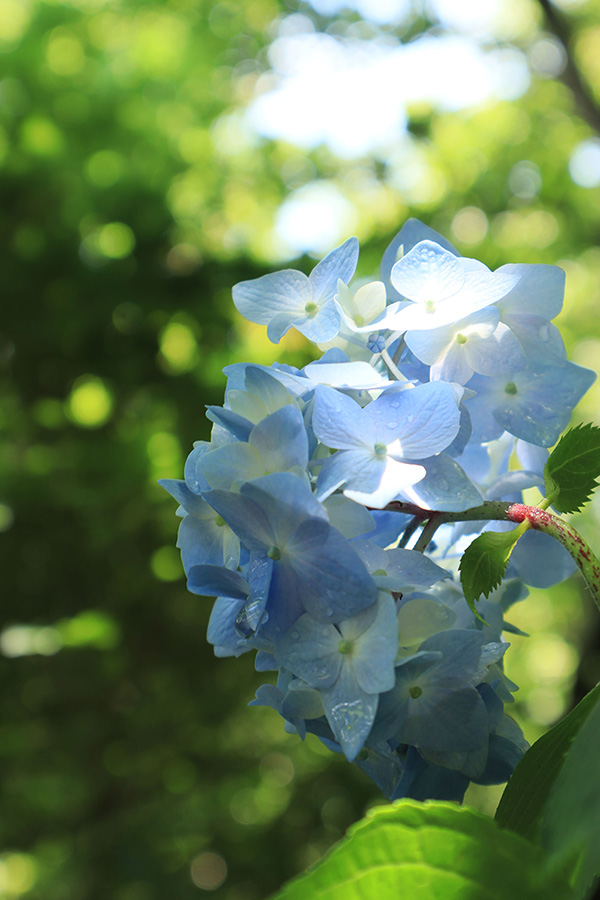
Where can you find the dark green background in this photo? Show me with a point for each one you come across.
(127, 752)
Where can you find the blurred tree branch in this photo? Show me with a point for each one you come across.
(560, 27)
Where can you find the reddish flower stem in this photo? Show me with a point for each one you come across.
(542, 520)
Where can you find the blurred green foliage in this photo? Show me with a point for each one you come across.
(133, 198)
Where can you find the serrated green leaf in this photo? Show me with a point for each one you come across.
(572, 469)
(484, 563)
(530, 785)
(429, 850)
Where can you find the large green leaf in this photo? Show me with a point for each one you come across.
(572, 468)
(484, 563)
(431, 851)
(570, 825)
(526, 793)
(553, 795)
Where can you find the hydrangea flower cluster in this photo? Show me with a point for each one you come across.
(298, 514)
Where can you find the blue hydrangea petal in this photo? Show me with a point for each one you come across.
(541, 408)
(540, 561)
(301, 702)
(396, 478)
(321, 327)
(532, 457)
(268, 384)
(253, 616)
(192, 475)
(495, 355)
(427, 272)
(446, 486)
(359, 468)
(350, 711)
(423, 780)
(540, 339)
(269, 695)
(404, 569)
(448, 716)
(392, 703)
(310, 650)
(338, 264)
(461, 649)
(503, 758)
(281, 440)
(231, 464)
(412, 232)
(201, 541)
(281, 324)
(539, 291)
(333, 581)
(338, 421)
(245, 516)
(430, 345)
(213, 581)
(221, 631)
(471, 763)
(372, 658)
(237, 425)
(420, 618)
(349, 518)
(286, 498)
(190, 501)
(261, 299)
(381, 765)
(357, 374)
(424, 419)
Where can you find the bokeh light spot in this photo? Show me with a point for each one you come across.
(14, 19)
(166, 564)
(208, 871)
(164, 452)
(104, 168)
(584, 165)
(7, 517)
(90, 628)
(18, 874)
(64, 53)
(28, 640)
(41, 137)
(178, 348)
(315, 217)
(470, 225)
(90, 404)
(116, 240)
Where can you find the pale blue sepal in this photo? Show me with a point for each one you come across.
(411, 233)
(339, 263)
(445, 486)
(216, 581)
(221, 631)
(239, 427)
(350, 711)
(260, 299)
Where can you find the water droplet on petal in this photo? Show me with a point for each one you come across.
(329, 611)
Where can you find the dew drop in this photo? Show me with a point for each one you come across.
(329, 611)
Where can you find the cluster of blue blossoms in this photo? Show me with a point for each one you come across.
(440, 386)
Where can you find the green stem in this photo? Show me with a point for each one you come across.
(565, 534)
(409, 531)
(428, 532)
(488, 511)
